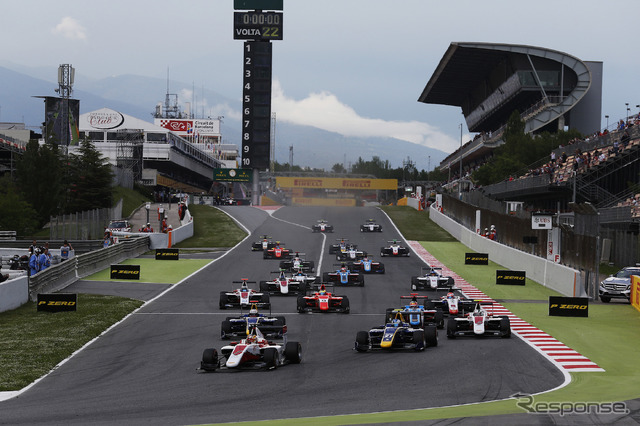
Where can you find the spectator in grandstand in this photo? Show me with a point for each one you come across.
(621, 125)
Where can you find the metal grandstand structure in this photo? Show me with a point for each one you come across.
(129, 152)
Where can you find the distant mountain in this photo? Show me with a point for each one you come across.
(137, 96)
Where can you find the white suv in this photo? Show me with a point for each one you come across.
(618, 286)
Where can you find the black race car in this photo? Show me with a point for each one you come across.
(341, 245)
(397, 334)
(264, 243)
(351, 253)
(394, 249)
(371, 226)
(322, 226)
(271, 327)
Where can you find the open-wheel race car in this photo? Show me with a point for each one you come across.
(343, 276)
(278, 251)
(252, 352)
(394, 249)
(341, 245)
(431, 278)
(264, 243)
(322, 226)
(479, 322)
(297, 263)
(452, 305)
(321, 298)
(244, 297)
(351, 253)
(416, 314)
(367, 265)
(271, 327)
(397, 334)
(288, 283)
(370, 226)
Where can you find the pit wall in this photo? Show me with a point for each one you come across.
(560, 278)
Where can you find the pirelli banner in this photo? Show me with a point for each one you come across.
(125, 272)
(343, 202)
(635, 291)
(336, 183)
(568, 306)
(511, 277)
(476, 258)
(57, 302)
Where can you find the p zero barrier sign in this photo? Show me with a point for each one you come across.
(476, 258)
(57, 302)
(568, 306)
(511, 277)
(167, 254)
(125, 272)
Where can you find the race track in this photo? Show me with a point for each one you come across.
(144, 370)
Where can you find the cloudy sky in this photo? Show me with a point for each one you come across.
(355, 67)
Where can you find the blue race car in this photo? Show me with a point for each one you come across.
(343, 276)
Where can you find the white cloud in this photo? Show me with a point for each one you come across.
(325, 111)
(71, 29)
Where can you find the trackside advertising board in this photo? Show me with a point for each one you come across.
(167, 254)
(511, 277)
(57, 302)
(336, 183)
(125, 272)
(476, 258)
(635, 291)
(568, 306)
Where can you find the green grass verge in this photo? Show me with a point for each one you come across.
(131, 200)
(32, 343)
(416, 225)
(224, 233)
(156, 271)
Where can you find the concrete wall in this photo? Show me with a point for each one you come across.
(561, 278)
(14, 293)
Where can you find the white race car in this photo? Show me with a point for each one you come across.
(479, 323)
(244, 297)
(432, 279)
(255, 351)
(287, 283)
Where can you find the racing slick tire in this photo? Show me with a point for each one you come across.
(431, 336)
(451, 328)
(264, 286)
(505, 327)
(429, 305)
(280, 321)
(362, 341)
(225, 329)
(382, 253)
(293, 352)
(361, 228)
(451, 282)
(414, 283)
(345, 305)
(224, 299)
(265, 300)
(419, 340)
(325, 277)
(361, 281)
(271, 358)
(302, 288)
(381, 268)
(210, 360)
(301, 304)
(389, 315)
(439, 318)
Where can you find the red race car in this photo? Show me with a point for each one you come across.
(322, 300)
(277, 252)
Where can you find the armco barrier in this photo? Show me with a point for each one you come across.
(61, 275)
(563, 279)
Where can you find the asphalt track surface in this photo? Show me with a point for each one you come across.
(143, 371)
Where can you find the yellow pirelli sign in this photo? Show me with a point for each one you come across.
(635, 291)
(336, 183)
(342, 202)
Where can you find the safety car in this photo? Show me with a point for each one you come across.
(343, 276)
(244, 297)
(370, 226)
(278, 251)
(321, 298)
(322, 226)
(297, 263)
(394, 249)
(252, 352)
(367, 265)
(264, 243)
(479, 322)
(351, 253)
(431, 278)
(397, 334)
(271, 327)
(618, 286)
(287, 283)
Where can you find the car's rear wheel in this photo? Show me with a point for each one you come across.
(505, 327)
(293, 352)
(362, 341)
(345, 305)
(431, 336)
(225, 329)
(264, 286)
(439, 318)
(302, 304)
(418, 340)
(224, 299)
(325, 277)
(451, 328)
(271, 358)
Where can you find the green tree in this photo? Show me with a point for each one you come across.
(91, 179)
(338, 168)
(15, 213)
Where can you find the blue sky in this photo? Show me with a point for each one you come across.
(355, 67)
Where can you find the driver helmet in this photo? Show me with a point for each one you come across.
(253, 312)
(493, 227)
(450, 295)
(413, 303)
(396, 322)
